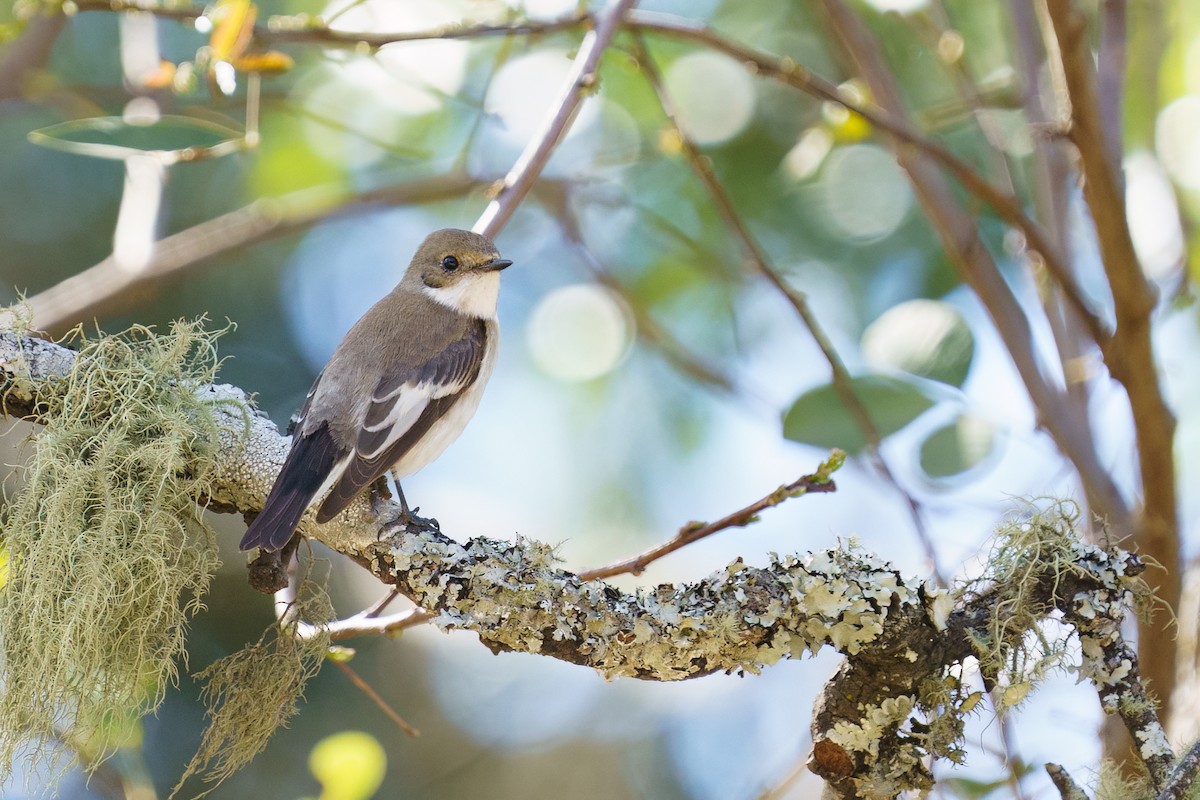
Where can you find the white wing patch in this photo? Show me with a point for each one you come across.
(408, 401)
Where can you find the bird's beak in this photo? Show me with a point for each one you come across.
(495, 265)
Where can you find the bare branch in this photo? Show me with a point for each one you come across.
(322, 34)
(555, 199)
(106, 288)
(1131, 358)
(695, 531)
(31, 50)
(368, 625)
(376, 698)
(325, 35)
(1050, 179)
(580, 81)
(1068, 789)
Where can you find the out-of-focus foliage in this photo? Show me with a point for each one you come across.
(349, 765)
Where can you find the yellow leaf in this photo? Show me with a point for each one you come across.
(349, 765)
(270, 62)
(233, 27)
(163, 78)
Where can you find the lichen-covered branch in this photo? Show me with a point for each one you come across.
(1068, 789)
(892, 704)
(1110, 663)
(1183, 776)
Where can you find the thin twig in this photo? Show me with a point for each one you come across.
(1050, 185)
(1183, 775)
(325, 35)
(1012, 759)
(380, 625)
(30, 51)
(788, 71)
(757, 257)
(370, 692)
(935, 27)
(580, 81)
(377, 608)
(1110, 76)
(695, 531)
(1068, 789)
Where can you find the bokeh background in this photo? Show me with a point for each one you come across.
(592, 435)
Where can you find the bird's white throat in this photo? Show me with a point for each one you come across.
(473, 295)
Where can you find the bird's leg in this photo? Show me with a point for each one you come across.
(411, 520)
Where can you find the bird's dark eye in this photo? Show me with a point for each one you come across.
(449, 262)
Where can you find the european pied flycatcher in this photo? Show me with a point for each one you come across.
(399, 388)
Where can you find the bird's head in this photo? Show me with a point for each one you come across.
(460, 270)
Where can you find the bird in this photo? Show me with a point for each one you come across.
(398, 390)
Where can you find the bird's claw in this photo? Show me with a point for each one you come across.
(412, 522)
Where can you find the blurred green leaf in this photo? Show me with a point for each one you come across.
(185, 138)
(820, 418)
(927, 338)
(349, 765)
(957, 447)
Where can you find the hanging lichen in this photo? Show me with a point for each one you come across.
(253, 692)
(108, 555)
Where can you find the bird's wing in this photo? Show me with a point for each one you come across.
(309, 461)
(404, 406)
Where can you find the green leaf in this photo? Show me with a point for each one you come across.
(177, 138)
(927, 338)
(957, 447)
(820, 418)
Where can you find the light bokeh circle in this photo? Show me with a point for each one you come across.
(578, 333)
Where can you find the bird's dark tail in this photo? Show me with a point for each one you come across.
(307, 466)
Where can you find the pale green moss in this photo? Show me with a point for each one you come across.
(108, 554)
(253, 692)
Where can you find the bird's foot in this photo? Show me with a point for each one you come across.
(417, 524)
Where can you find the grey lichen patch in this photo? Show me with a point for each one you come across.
(740, 618)
(251, 449)
(108, 554)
